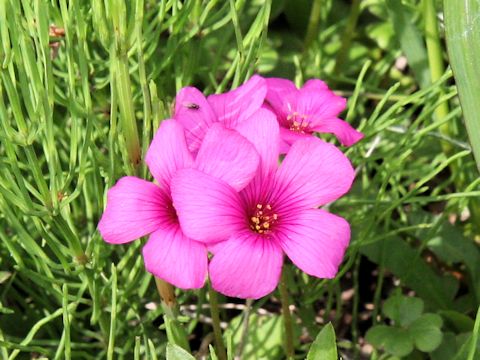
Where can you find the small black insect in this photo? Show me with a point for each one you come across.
(191, 106)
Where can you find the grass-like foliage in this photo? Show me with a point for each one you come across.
(85, 84)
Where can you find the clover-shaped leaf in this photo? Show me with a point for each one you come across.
(403, 310)
(425, 332)
(394, 340)
(410, 328)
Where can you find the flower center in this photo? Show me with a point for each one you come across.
(263, 218)
(172, 212)
(298, 122)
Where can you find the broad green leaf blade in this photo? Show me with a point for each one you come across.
(403, 261)
(175, 352)
(450, 244)
(324, 347)
(462, 27)
(458, 321)
(264, 337)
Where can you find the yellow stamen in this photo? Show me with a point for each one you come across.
(263, 219)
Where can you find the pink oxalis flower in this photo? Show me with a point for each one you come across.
(137, 207)
(313, 108)
(197, 113)
(250, 230)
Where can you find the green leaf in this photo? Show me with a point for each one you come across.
(298, 14)
(381, 33)
(462, 30)
(426, 333)
(449, 244)
(394, 340)
(5, 310)
(458, 321)
(264, 338)
(447, 349)
(175, 332)
(213, 355)
(175, 352)
(472, 344)
(405, 262)
(410, 40)
(324, 347)
(403, 309)
(467, 345)
(4, 276)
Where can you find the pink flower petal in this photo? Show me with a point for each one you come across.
(168, 152)
(316, 85)
(315, 241)
(246, 266)
(288, 137)
(208, 209)
(279, 93)
(135, 208)
(313, 173)
(345, 133)
(173, 257)
(319, 105)
(284, 146)
(195, 114)
(227, 155)
(262, 130)
(237, 105)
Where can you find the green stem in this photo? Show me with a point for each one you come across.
(474, 342)
(121, 72)
(127, 113)
(436, 65)
(287, 318)
(176, 333)
(217, 330)
(347, 36)
(113, 318)
(356, 301)
(313, 23)
(246, 321)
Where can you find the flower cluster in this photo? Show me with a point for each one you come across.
(219, 188)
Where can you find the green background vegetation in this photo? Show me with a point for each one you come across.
(83, 87)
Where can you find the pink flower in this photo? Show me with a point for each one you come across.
(136, 207)
(250, 230)
(197, 113)
(313, 108)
